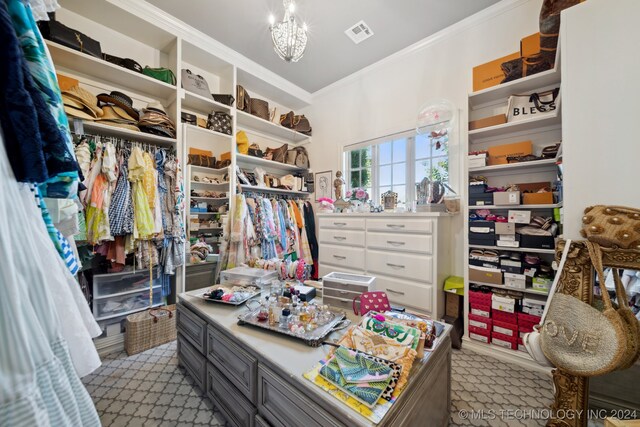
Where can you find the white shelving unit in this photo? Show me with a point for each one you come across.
(107, 130)
(245, 160)
(267, 129)
(542, 131)
(193, 101)
(256, 189)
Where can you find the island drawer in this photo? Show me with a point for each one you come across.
(237, 410)
(193, 361)
(341, 222)
(239, 366)
(192, 327)
(401, 225)
(281, 405)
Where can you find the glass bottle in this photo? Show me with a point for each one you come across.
(284, 318)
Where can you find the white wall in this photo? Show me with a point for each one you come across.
(601, 118)
(385, 98)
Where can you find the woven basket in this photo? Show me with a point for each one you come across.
(260, 108)
(149, 329)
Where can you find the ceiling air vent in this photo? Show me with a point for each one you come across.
(359, 32)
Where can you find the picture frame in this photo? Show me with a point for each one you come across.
(324, 185)
(389, 200)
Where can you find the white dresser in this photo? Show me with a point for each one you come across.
(409, 254)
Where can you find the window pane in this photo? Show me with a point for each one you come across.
(365, 177)
(365, 157)
(400, 150)
(385, 175)
(402, 193)
(355, 179)
(440, 169)
(422, 147)
(422, 169)
(385, 153)
(399, 173)
(355, 159)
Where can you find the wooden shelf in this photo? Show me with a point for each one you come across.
(524, 291)
(500, 248)
(507, 207)
(243, 159)
(272, 190)
(522, 167)
(107, 130)
(268, 129)
(100, 70)
(535, 123)
(200, 104)
(208, 131)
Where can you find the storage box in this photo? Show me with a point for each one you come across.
(349, 282)
(453, 305)
(246, 276)
(488, 237)
(524, 330)
(533, 306)
(530, 45)
(537, 242)
(225, 156)
(505, 341)
(481, 310)
(503, 303)
(481, 199)
(519, 217)
(521, 346)
(479, 334)
(516, 281)
(482, 226)
(504, 328)
(506, 198)
(480, 322)
(510, 268)
(541, 284)
(486, 122)
(477, 161)
(485, 275)
(534, 198)
(505, 228)
(480, 298)
(482, 263)
(307, 293)
(498, 154)
(503, 316)
(528, 321)
(197, 151)
(490, 73)
(508, 243)
(477, 188)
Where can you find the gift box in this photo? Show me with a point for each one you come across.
(490, 73)
(481, 199)
(506, 198)
(537, 242)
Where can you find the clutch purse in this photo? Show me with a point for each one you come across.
(66, 36)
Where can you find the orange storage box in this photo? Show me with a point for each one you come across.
(490, 74)
(498, 154)
(488, 121)
(534, 198)
(530, 45)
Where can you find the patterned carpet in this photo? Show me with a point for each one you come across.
(149, 389)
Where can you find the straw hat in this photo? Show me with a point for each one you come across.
(121, 125)
(86, 98)
(122, 101)
(75, 112)
(115, 113)
(156, 106)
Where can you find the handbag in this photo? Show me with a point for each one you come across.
(521, 107)
(200, 160)
(189, 118)
(550, 25)
(371, 301)
(161, 73)
(223, 99)
(612, 226)
(219, 122)
(255, 151)
(277, 154)
(550, 151)
(286, 120)
(589, 342)
(301, 124)
(243, 99)
(69, 37)
(242, 142)
(525, 66)
(298, 157)
(127, 63)
(260, 108)
(195, 83)
(149, 329)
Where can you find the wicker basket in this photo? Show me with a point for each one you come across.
(150, 328)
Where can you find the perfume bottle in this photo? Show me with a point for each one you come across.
(263, 313)
(273, 312)
(284, 318)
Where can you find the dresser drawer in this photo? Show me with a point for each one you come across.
(193, 361)
(341, 222)
(342, 237)
(281, 405)
(401, 292)
(418, 243)
(339, 293)
(344, 304)
(407, 266)
(325, 269)
(237, 365)
(343, 256)
(400, 225)
(234, 407)
(192, 327)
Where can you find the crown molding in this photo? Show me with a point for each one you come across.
(460, 26)
(181, 29)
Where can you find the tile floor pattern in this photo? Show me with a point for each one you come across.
(149, 389)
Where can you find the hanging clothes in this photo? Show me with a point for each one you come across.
(310, 225)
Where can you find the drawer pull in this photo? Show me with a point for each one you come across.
(340, 224)
(343, 292)
(339, 257)
(395, 292)
(395, 225)
(395, 265)
(339, 238)
(394, 243)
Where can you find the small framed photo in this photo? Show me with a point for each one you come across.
(389, 200)
(323, 185)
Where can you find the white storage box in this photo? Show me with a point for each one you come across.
(503, 303)
(477, 160)
(532, 306)
(346, 281)
(516, 281)
(246, 276)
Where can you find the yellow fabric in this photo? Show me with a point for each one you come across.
(242, 141)
(142, 212)
(136, 165)
(149, 180)
(297, 215)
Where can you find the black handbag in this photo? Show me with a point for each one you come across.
(189, 118)
(224, 99)
(219, 122)
(74, 39)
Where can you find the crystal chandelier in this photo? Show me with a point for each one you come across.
(289, 38)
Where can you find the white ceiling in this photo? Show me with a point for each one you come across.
(243, 26)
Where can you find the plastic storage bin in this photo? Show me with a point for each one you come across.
(115, 306)
(246, 276)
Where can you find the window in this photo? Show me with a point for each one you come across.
(396, 163)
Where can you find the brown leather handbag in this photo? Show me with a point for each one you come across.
(243, 100)
(301, 124)
(286, 120)
(200, 160)
(550, 25)
(260, 108)
(277, 154)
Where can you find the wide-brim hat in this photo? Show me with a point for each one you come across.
(122, 101)
(78, 113)
(85, 97)
(115, 113)
(158, 130)
(156, 106)
(121, 125)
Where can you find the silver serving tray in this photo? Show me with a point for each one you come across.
(200, 294)
(313, 338)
